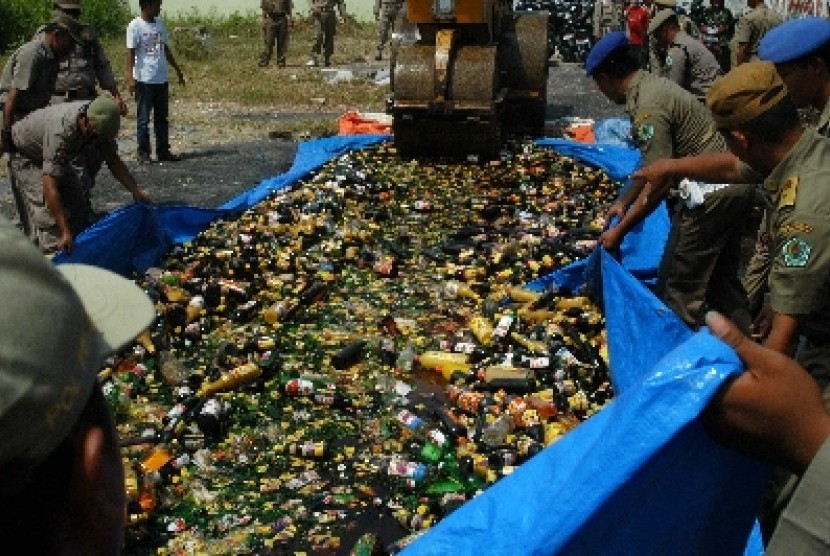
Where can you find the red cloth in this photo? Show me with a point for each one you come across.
(636, 23)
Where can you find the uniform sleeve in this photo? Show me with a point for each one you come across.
(676, 69)
(804, 526)
(651, 131)
(26, 69)
(55, 153)
(800, 273)
(743, 31)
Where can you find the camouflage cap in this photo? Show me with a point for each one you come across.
(57, 324)
(662, 16)
(104, 115)
(71, 26)
(745, 93)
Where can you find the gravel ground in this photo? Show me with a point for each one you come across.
(231, 149)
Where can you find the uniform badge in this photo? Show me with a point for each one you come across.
(669, 62)
(796, 252)
(644, 132)
(794, 227)
(788, 192)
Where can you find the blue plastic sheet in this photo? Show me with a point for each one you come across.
(641, 477)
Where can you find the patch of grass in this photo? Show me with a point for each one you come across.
(223, 67)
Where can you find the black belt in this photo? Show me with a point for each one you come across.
(78, 94)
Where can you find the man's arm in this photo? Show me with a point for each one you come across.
(121, 173)
(659, 176)
(8, 119)
(52, 197)
(172, 61)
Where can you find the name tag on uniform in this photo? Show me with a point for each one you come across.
(789, 190)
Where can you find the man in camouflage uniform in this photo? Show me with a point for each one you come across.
(751, 29)
(607, 18)
(276, 20)
(325, 26)
(686, 61)
(699, 268)
(78, 75)
(385, 11)
(716, 16)
(28, 81)
(46, 140)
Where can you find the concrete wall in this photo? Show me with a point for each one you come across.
(361, 9)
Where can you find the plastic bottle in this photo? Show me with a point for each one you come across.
(444, 362)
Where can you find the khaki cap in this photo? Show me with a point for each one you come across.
(659, 19)
(105, 116)
(57, 325)
(745, 93)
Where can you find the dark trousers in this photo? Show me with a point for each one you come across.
(152, 98)
(325, 25)
(699, 268)
(275, 31)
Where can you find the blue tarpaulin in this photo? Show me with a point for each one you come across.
(640, 477)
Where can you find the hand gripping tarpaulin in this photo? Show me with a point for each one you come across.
(642, 476)
(136, 237)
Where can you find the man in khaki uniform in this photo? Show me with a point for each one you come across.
(687, 62)
(385, 11)
(683, 21)
(800, 50)
(46, 140)
(325, 26)
(86, 67)
(28, 82)
(699, 268)
(276, 20)
(751, 29)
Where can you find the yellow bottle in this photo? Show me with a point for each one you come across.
(454, 289)
(445, 362)
(522, 295)
(238, 376)
(482, 329)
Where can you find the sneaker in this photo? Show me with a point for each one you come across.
(312, 63)
(169, 157)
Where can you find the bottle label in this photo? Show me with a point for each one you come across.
(299, 387)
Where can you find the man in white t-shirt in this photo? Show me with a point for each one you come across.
(148, 55)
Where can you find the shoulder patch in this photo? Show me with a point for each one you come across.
(643, 133)
(795, 252)
(789, 190)
(800, 227)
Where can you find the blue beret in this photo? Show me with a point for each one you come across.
(793, 39)
(606, 45)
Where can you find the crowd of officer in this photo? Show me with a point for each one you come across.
(714, 146)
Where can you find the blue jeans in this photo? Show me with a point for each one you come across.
(152, 98)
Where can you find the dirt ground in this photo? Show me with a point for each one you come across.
(228, 148)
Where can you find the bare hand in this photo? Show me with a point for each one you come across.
(611, 239)
(657, 177)
(762, 325)
(122, 106)
(141, 196)
(131, 85)
(616, 210)
(65, 241)
(773, 411)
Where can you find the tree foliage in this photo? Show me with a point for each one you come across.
(19, 19)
